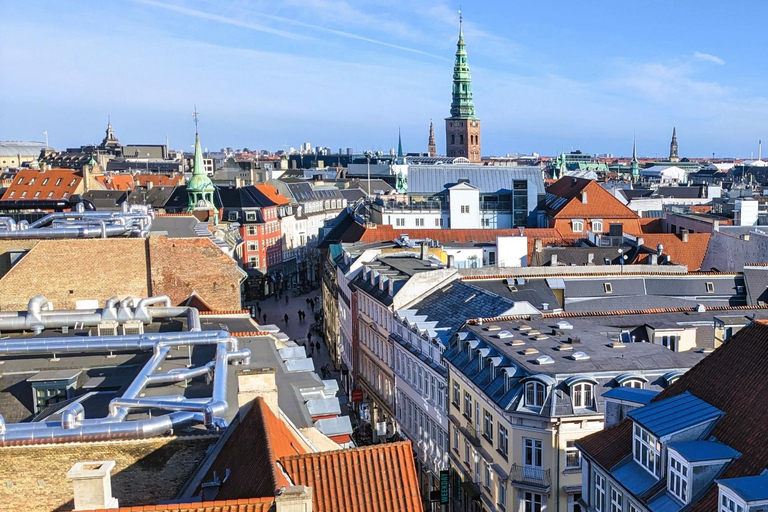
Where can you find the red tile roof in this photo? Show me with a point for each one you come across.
(251, 454)
(128, 182)
(690, 253)
(701, 208)
(608, 447)
(249, 505)
(273, 194)
(380, 478)
(600, 203)
(40, 184)
(733, 379)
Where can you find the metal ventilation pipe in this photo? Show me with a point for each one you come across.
(72, 415)
(2, 424)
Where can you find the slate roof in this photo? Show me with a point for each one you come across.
(756, 280)
(369, 479)
(158, 197)
(731, 379)
(696, 451)
(674, 414)
(106, 199)
(423, 179)
(347, 228)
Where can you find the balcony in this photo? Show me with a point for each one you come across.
(530, 476)
(472, 434)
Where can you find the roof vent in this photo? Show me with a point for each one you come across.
(493, 327)
(706, 350)
(700, 308)
(617, 344)
(544, 360)
(517, 343)
(579, 356)
(524, 328)
(574, 340)
(563, 348)
(530, 351)
(562, 324)
(503, 334)
(540, 337)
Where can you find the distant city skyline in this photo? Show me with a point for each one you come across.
(546, 77)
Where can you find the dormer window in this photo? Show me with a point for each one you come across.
(633, 383)
(534, 394)
(729, 504)
(646, 450)
(583, 394)
(678, 479)
(578, 225)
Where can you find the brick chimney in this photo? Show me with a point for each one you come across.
(297, 498)
(257, 382)
(93, 485)
(684, 235)
(584, 197)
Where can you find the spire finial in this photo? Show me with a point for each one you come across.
(461, 19)
(194, 115)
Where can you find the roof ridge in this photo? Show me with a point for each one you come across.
(357, 449)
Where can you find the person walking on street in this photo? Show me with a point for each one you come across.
(309, 338)
(317, 346)
(265, 318)
(285, 317)
(258, 308)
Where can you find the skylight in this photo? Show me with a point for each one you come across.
(504, 334)
(579, 356)
(544, 360)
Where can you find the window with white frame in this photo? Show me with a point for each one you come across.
(419, 222)
(534, 394)
(503, 443)
(501, 494)
(465, 208)
(487, 475)
(729, 503)
(631, 507)
(466, 452)
(677, 479)
(488, 426)
(578, 225)
(597, 225)
(633, 383)
(670, 341)
(456, 439)
(582, 394)
(646, 450)
(572, 455)
(616, 500)
(598, 497)
(532, 452)
(468, 406)
(400, 221)
(532, 502)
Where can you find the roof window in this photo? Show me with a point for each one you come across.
(503, 334)
(710, 287)
(544, 359)
(608, 287)
(579, 356)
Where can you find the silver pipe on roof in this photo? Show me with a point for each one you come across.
(72, 415)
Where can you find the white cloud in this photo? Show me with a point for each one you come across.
(707, 57)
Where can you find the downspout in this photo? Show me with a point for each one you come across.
(558, 425)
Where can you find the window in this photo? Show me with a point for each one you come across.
(728, 504)
(532, 502)
(633, 383)
(578, 226)
(534, 394)
(466, 452)
(488, 426)
(608, 287)
(465, 208)
(503, 443)
(597, 226)
(50, 194)
(253, 246)
(24, 194)
(58, 182)
(582, 394)
(599, 494)
(572, 455)
(502, 494)
(487, 475)
(616, 500)
(20, 182)
(532, 453)
(13, 192)
(468, 406)
(37, 194)
(252, 230)
(677, 481)
(232, 216)
(32, 181)
(710, 287)
(456, 439)
(456, 395)
(632, 507)
(437, 223)
(670, 341)
(419, 222)
(250, 216)
(71, 183)
(400, 221)
(646, 450)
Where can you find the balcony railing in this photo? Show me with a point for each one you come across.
(472, 433)
(531, 476)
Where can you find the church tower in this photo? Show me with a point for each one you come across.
(432, 148)
(635, 165)
(110, 141)
(462, 129)
(200, 188)
(673, 147)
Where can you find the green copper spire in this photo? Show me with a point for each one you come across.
(462, 105)
(635, 165)
(399, 146)
(200, 188)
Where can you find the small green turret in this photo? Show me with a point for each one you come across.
(200, 188)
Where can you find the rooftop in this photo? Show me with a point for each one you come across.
(674, 414)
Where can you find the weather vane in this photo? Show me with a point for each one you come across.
(194, 114)
(460, 19)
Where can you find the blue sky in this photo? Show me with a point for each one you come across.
(547, 75)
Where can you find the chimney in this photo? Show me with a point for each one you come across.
(716, 225)
(584, 196)
(150, 185)
(684, 235)
(640, 241)
(553, 260)
(257, 382)
(590, 259)
(538, 245)
(451, 261)
(654, 259)
(424, 251)
(93, 485)
(297, 498)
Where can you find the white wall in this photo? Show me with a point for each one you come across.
(464, 196)
(512, 251)
(463, 257)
